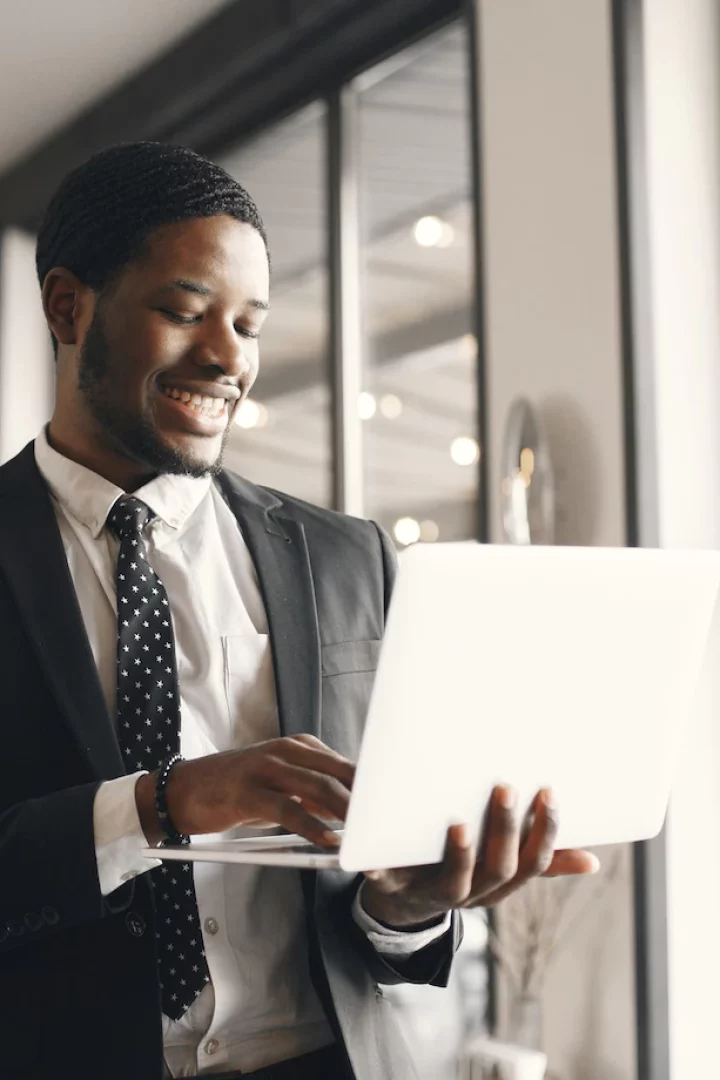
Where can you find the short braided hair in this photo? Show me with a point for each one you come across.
(101, 215)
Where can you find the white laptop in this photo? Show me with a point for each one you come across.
(570, 668)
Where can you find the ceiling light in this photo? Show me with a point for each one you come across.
(447, 237)
(367, 406)
(429, 531)
(468, 347)
(391, 406)
(251, 414)
(465, 451)
(406, 531)
(433, 232)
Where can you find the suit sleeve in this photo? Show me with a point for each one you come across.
(49, 868)
(431, 964)
(389, 564)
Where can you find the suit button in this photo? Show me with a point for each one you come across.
(50, 916)
(33, 921)
(14, 928)
(135, 924)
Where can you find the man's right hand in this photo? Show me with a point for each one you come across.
(295, 782)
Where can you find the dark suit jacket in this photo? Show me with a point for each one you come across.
(78, 984)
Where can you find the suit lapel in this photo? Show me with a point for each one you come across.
(33, 562)
(279, 551)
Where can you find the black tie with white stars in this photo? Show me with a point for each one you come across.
(149, 732)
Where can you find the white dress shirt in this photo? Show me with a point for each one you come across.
(260, 1006)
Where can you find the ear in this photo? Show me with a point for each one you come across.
(67, 304)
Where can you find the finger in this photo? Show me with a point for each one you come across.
(573, 862)
(449, 879)
(318, 758)
(458, 861)
(499, 861)
(317, 744)
(309, 740)
(322, 794)
(292, 816)
(451, 887)
(537, 852)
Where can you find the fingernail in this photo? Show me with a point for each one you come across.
(463, 835)
(507, 797)
(372, 875)
(549, 799)
(331, 837)
(595, 864)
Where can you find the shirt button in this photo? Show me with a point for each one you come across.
(211, 927)
(135, 924)
(50, 916)
(212, 1046)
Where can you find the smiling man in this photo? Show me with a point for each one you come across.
(177, 657)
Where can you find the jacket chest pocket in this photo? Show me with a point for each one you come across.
(350, 658)
(348, 673)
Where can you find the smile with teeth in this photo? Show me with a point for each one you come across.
(199, 403)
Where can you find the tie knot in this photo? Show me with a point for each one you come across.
(128, 517)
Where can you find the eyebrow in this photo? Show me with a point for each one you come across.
(184, 285)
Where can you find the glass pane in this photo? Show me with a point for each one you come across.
(416, 227)
(285, 442)
(419, 386)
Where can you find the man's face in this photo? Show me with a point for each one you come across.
(172, 349)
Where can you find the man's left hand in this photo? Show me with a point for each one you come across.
(416, 896)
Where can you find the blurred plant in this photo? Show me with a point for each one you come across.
(536, 923)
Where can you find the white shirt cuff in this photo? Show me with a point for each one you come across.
(400, 943)
(119, 838)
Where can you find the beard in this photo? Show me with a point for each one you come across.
(132, 434)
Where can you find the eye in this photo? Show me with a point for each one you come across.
(244, 332)
(184, 320)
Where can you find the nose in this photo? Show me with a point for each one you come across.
(221, 347)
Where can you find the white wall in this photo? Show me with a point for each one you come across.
(553, 335)
(682, 59)
(26, 361)
(551, 248)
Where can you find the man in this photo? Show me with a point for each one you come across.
(151, 605)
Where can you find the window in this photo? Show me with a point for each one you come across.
(419, 391)
(283, 436)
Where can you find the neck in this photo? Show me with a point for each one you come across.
(125, 473)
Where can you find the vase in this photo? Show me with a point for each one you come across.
(525, 1022)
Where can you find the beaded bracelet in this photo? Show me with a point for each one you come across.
(172, 836)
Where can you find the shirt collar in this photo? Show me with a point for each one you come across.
(90, 497)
